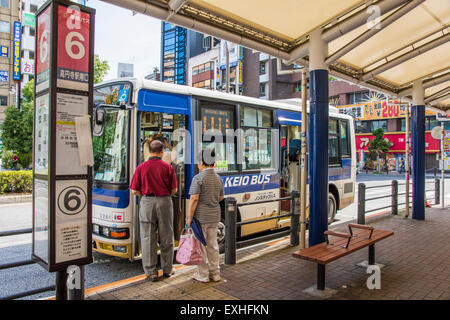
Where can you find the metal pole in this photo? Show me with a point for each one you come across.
(304, 172)
(372, 254)
(394, 197)
(227, 71)
(77, 294)
(61, 285)
(361, 203)
(230, 230)
(294, 218)
(436, 191)
(407, 161)
(443, 168)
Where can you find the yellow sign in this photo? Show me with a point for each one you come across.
(377, 110)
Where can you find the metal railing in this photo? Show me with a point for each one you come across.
(394, 194)
(19, 264)
(231, 224)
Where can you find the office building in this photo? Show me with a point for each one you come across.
(10, 37)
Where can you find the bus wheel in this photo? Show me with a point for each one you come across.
(221, 235)
(331, 208)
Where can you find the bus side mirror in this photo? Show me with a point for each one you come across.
(99, 121)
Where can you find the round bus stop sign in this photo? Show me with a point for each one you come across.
(72, 200)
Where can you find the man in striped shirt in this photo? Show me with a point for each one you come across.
(206, 192)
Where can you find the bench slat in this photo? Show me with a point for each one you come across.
(323, 253)
(336, 243)
(335, 249)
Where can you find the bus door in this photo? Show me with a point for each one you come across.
(167, 128)
(290, 154)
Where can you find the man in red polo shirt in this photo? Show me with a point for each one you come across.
(155, 181)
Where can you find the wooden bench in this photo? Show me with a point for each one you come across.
(341, 245)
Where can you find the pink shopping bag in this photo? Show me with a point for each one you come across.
(189, 249)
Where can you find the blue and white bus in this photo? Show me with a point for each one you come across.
(260, 163)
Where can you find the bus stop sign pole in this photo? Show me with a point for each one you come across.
(62, 146)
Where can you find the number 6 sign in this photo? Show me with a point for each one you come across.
(73, 48)
(43, 51)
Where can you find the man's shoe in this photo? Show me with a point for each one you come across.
(215, 278)
(198, 278)
(152, 278)
(168, 275)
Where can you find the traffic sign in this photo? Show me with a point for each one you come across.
(440, 116)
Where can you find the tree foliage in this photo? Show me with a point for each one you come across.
(379, 145)
(101, 68)
(17, 128)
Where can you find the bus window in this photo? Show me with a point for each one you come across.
(111, 148)
(218, 128)
(257, 124)
(333, 143)
(345, 152)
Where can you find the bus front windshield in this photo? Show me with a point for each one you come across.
(111, 148)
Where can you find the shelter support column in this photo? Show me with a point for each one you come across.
(418, 151)
(318, 139)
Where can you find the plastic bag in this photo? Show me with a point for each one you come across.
(189, 250)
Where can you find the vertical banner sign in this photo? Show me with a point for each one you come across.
(43, 50)
(62, 189)
(16, 52)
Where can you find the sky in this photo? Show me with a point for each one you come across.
(122, 37)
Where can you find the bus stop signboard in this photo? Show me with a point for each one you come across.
(62, 179)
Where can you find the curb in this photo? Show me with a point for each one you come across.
(16, 199)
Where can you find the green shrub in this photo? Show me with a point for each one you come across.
(24, 160)
(16, 181)
(7, 158)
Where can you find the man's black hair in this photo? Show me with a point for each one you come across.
(208, 157)
(156, 146)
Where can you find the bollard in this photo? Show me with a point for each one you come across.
(361, 203)
(437, 191)
(230, 230)
(394, 197)
(295, 220)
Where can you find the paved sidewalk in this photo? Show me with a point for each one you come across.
(416, 263)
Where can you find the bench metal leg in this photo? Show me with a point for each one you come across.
(320, 277)
(372, 254)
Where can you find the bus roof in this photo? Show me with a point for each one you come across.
(287, 104)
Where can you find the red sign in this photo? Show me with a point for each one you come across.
(73, 49)
(398, 142)
(43, 50)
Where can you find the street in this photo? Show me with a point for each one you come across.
(371, 180)
(107, 269)
(103, 270)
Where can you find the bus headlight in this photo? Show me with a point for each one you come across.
(105, 232)
(121, 249)
(111, 233)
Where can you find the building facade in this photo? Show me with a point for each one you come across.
(177, 46)
(10, 38)
(370, 116)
